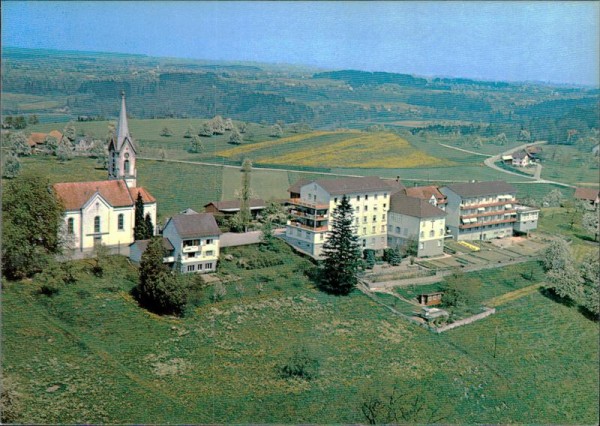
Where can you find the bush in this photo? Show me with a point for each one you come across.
(9, 400)
(369, 255)
(300, 365)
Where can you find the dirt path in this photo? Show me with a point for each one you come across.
(513, 295)
(465, 150)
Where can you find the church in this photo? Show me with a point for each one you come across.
(103, 212)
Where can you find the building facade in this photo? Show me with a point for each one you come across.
(103, 212)
(195, 241)
(526, 219)
(480, 210)
(312, 203)
(415, 219)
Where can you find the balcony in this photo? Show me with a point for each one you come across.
(490, 213)
(299, 225)
(494, 222)
(304, 203)
(496, 203)
(189, 249)
(169, 259)
(314, 216)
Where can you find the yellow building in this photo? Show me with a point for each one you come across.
(312, 203)
(103, 212)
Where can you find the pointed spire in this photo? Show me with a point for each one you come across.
(122, 126)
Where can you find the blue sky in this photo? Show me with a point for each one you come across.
(516, 41)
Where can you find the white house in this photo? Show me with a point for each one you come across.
(411, 218)
(103, 212)
(195, 240)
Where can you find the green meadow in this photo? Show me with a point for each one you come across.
(90, 354)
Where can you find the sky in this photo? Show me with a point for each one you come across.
(511, 41)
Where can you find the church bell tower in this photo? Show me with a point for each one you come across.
(121, 151)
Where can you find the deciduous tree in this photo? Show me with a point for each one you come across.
(32, 218)
(11, 166)
(591, 223)
(196, 145)
(235, 137)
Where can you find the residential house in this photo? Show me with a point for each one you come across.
(521, 159)
(103, 212)
(137, 249)
(430, 193)
(229, 208)
(312, 203)
(195, 240)
(526, 219)
(416, 219)
(590, 195)
(480, 210)
(37, 140)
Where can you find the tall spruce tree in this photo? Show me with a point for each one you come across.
(149, 226)
(245, 195)
(341, 252)
(140, 231)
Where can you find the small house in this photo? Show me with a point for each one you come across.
(521, 159)
(137, 249)
(231, 207)
(590, 195)
(429, 299)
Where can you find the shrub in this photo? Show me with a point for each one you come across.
(300, 365)
(369, 255)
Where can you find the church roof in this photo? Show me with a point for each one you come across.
(146, 196)
(74, 195)
(123, 127)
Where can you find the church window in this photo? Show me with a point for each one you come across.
(97, 224)
(126, 167)
(70, 227)
(120, 222)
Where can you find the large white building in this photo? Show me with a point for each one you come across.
(103, 212)
(312, 203)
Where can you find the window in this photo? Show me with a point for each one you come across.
(70, 226)
(191, 255)
(397, 229)
(373, 230)
(191, 268)
(357, 209)
(384, 205)
(120, 222)
(382, 228)
(364, 231)
(439, 243)
(376, 195)
(97, 224)
(358, 198)
(126, 167)
(189, 243)
(209, 253)
(364, 219)
(432, 233)
(383, 216)
(364, 242)
(366, 208)
(422, 234)
(199, 266)
(421, 246)
(385, 195)
(321, 237)
(335, 200)
(209, 241)
(208, 266)
(374, 218)
(366, 197)
(356, 221)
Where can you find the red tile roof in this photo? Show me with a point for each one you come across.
(426, 192)
(590, 194)
(415, 207)
(55, 133)
(75, 194)
(36, 138)
(146, 196)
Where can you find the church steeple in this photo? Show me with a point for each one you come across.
(121, 151)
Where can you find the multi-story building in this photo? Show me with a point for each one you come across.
(480, 210)
(429, 193)
(527, 218)
(415, 219)
(195, 240)
(312, 203)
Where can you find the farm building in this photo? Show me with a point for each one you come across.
(429, 299)
(229, 208)
(590, 195)
(521, 159)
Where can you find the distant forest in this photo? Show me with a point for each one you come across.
(70, 84)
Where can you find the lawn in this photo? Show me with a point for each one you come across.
(567, 164)
(90, 355)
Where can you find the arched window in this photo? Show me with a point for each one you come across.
(97, 224)
(70, 226)
(120, 222)
(126, 167)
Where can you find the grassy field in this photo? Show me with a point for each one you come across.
(569, 165)
(90, 355)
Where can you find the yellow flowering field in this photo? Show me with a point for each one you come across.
(368, 150)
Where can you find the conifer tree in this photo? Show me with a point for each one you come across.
(341, 252)
(140, 231)
(149, 226)
(245, 196)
